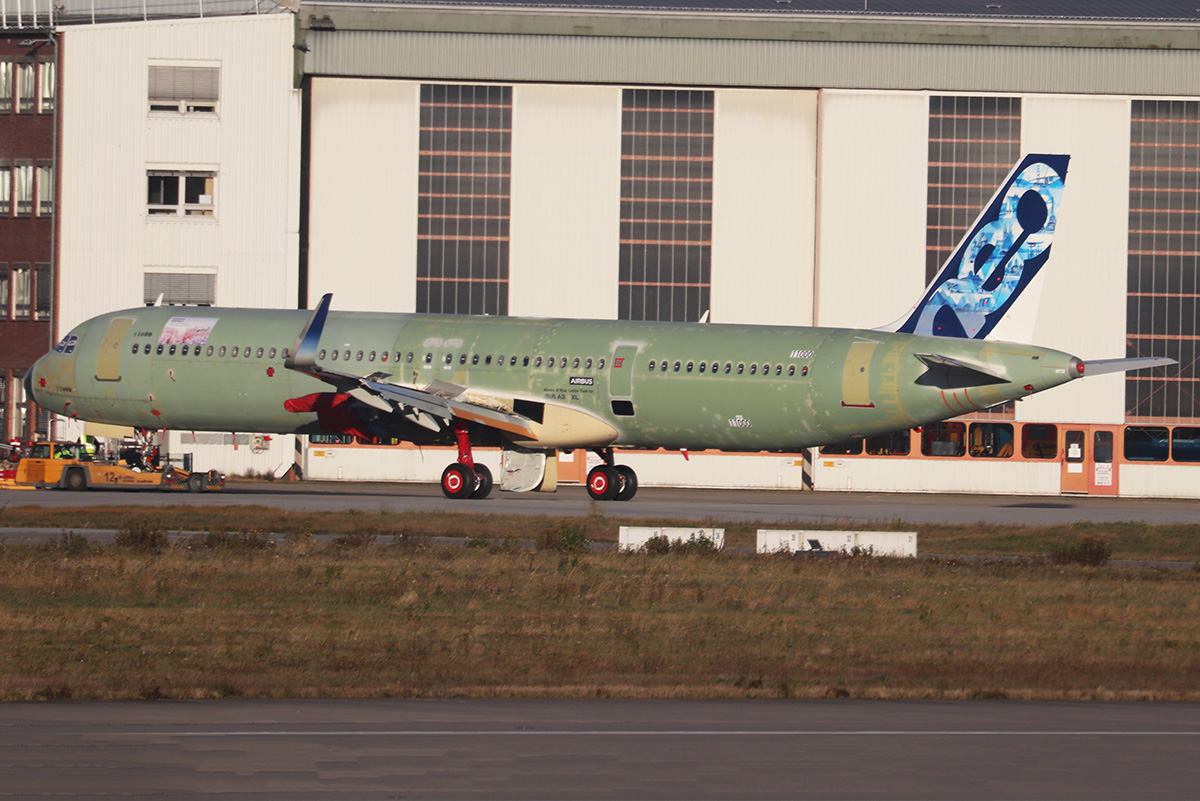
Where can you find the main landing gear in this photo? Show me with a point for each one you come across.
(611, 482)
(465, 478)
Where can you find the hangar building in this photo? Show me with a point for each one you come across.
(776, 162)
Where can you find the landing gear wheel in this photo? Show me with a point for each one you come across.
(483, 486)
(76, 482)
(458, 481)
(195, 483)
(603, 483)
(629, 485)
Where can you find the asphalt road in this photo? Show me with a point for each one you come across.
(773, 507)
(599, 749)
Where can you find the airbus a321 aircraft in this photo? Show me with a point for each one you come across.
(535, 386)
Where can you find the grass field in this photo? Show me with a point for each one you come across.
(1130, 540)
(303, 620)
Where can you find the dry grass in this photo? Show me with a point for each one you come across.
(302, 620)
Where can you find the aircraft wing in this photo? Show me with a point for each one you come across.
(434, 407)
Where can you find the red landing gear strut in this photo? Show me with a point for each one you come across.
(465, 478)
(611, 482)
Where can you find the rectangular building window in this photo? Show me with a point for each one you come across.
(665, 270)
(180, 289)
(5, 428)
(181, 193)
(26, 87)
(47, 86)
(5, 282)
(24, 175)
(5, 189)
(22, 278)
(184, 89)
(6, 86)
(42, 291)
(45, 190)
(1164, 258)
(463, 199)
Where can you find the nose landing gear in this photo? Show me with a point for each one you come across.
(465, 478)
(611, 482)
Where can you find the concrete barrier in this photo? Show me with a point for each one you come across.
(878, 543)
(633, 537)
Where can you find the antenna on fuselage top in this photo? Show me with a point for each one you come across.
(159, 301)
(704, 317)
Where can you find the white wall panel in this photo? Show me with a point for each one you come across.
(764, 206)
(871, 198)
(107, 238)
(363, 193)
(1082, 308)
(566, 201)
(937, 475)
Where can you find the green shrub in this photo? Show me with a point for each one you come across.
(1087, 551)
(233, 541)
(143, 536)
(567, 538)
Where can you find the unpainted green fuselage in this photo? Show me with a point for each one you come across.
(673, 385)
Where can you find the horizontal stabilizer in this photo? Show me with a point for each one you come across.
(1103, 366)
(949, 373)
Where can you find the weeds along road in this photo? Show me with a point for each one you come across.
(777, 507)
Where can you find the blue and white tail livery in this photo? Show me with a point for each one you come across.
(998, 258)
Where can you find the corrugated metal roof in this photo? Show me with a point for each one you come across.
(1031, 10)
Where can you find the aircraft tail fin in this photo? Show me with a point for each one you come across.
(997, 259)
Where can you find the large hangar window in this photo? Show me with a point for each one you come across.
(666, 204)
(1164, 257)
(973, 144)
(463, 199)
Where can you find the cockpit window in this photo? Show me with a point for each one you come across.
(67, 345)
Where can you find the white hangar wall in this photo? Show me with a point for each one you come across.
(109, 241)
(566, 196)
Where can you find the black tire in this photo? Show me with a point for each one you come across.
(630, 486)
(483, 487)
(603, 483)
(195, 483)
(458, 481)
(75, 481)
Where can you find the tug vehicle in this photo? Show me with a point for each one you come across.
(72, 466)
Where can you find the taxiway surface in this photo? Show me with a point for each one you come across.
(774, 507)
(600, 749)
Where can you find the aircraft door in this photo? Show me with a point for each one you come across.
(856, 375)
(620, 376)
(108, 359)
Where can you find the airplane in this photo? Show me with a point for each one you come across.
(536, 386)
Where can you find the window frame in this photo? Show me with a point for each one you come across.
(177, 101)
(180, 208)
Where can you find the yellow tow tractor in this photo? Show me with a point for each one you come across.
(71, 465)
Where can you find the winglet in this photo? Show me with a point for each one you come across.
(304, 354)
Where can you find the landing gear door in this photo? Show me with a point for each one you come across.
(108, 360)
